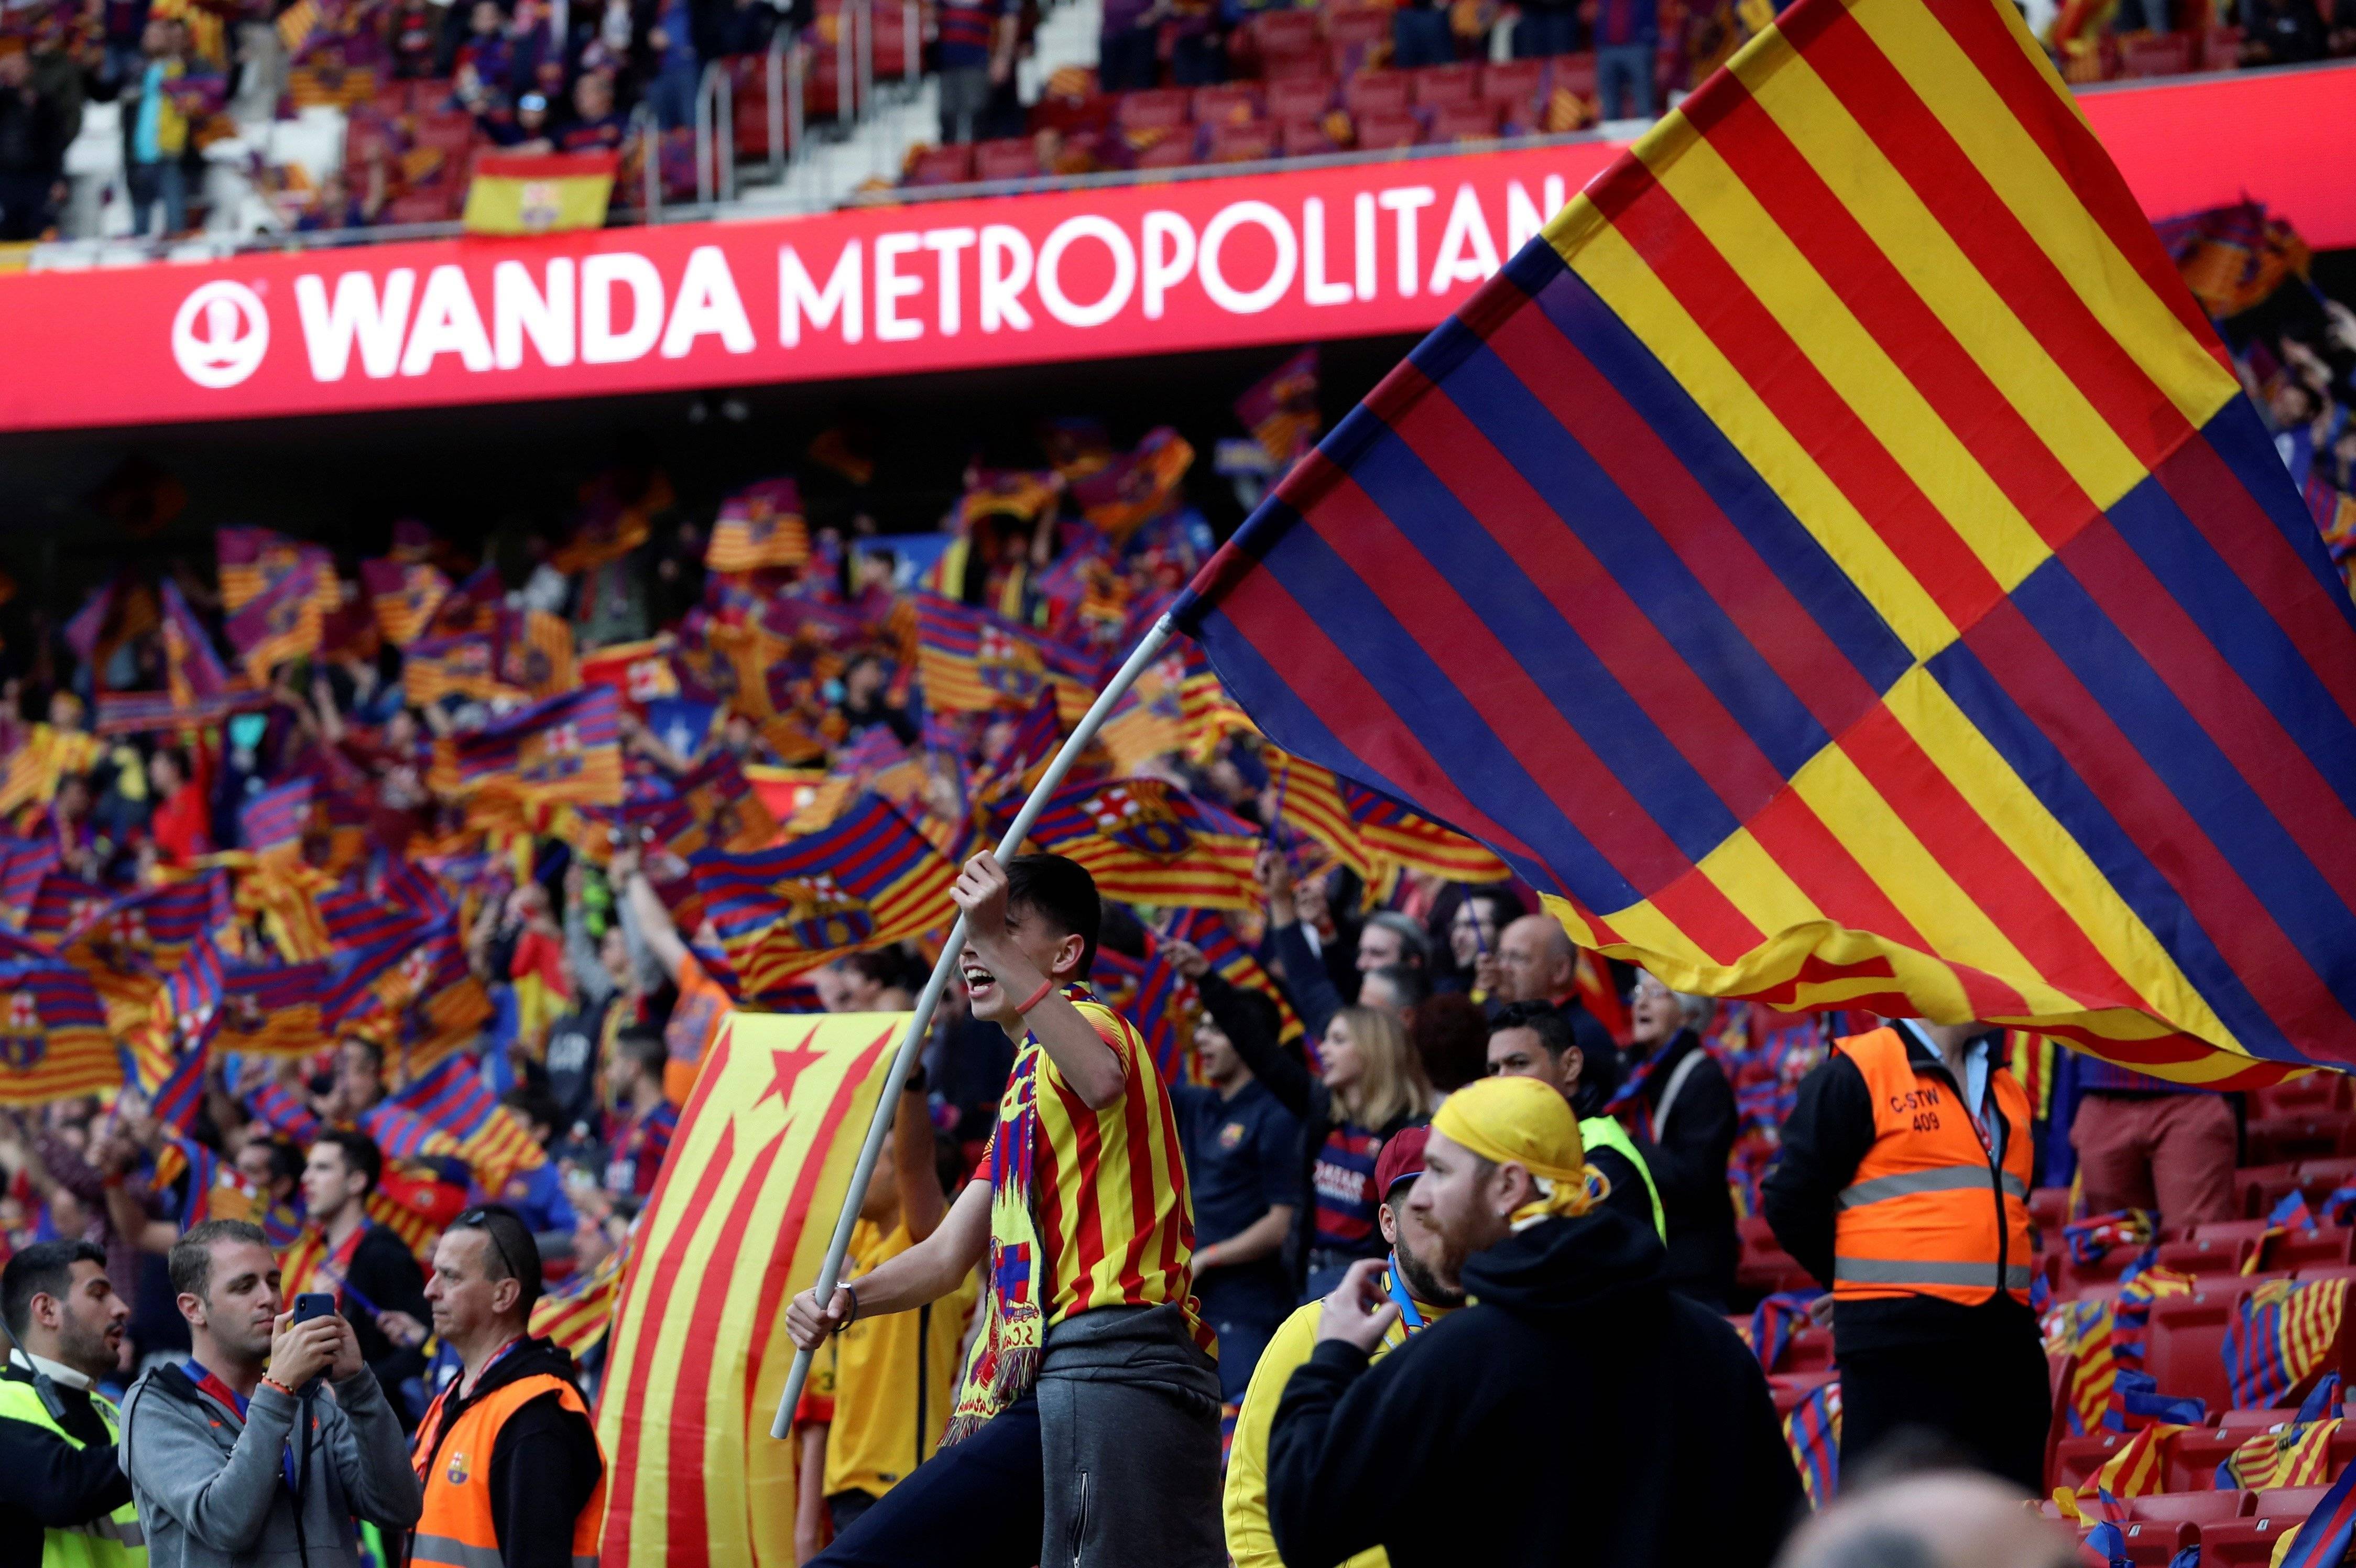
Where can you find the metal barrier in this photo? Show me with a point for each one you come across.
(716, 136)
(786, 70)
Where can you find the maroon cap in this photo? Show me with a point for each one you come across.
(1401, 1159)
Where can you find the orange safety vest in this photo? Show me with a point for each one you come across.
(456, 1530)
(1931, 1211)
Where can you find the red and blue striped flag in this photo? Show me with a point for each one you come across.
(271, 1008)
(568, 749)
(1835, 556)
(23, 863)
(490, 1138)
(404, 595)
(1209, 931)
(972, 661)
(272, 823)
(867, 879)
(1812, 1432)
(253, 561)
(54, 1043)
(2323, 1540)
(1146, 840)
(284, 622)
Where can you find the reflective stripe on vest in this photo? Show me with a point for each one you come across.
(458, 1530)
(1605, 1131)
(1928, 1211)
(111, 1541)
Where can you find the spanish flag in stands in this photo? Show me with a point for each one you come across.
(404, 595)
(869, 880)
(567, 748)
(540, 193)
(1146, 840)
(54, 1043)
(1835, 557)
(760, 526)
(739, 1219)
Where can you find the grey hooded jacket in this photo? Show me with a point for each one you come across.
(212, 1490)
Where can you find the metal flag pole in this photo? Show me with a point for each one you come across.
(1148, 649)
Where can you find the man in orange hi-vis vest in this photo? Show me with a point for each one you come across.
(1904, 1186)
(509, 1462)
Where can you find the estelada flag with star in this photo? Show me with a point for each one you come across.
(738, 1221)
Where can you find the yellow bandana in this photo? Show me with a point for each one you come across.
(1522, 1122)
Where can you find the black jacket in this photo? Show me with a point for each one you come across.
(1578, 1413)
(46, 1481)
(1823, 1140)
(1687, 1157)
(544, 1465)
(385, 1272)
(1299, 1092)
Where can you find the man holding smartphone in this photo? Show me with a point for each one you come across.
(239, 1455)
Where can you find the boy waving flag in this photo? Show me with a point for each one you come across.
(1088, 1428)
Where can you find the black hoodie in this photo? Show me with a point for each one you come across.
(544, 1465)
(1577, 1412)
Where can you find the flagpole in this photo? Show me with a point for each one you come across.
(879, 1125)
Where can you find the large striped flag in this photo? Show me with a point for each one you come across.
(868, 879)
(1309, 799)
(454, 1098)
(283, 622)
(970, 660)
(738, 1221)
(404, 595)
(54, 1043)
(1146, 840)
(568, 749)
(271, 1008)
(760, 525)
(1835, 558)
(253, 561)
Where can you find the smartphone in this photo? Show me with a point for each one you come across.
(308, 1305)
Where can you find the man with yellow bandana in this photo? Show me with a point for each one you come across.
(1575, 1411)
(1422, 1301)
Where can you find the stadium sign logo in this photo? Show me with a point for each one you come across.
(220, 334)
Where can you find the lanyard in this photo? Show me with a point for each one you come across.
(1409, 1317)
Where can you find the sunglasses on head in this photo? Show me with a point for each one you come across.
(480, 1220)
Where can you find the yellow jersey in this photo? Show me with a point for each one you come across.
(1251, 1542)
(895, 1375)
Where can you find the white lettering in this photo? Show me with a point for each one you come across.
(1105, 232)
(1407, 201)
(797, 295)
(328, 332)
(1315, 287)
(891, 288)
(447, 323)
(600, 344)
(1361, 223)
(948, 242)
(519, 310)
(707, 302)
(1248, 302)
(1005, 273)
(1468, 253)
(1169, 257)
(1523, 221)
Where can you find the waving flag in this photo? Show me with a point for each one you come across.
(535, 653)
(62, 905)
(1209, 715)
(489, 1136)
(272, 823)
(404, 595)
(738, 1221)
(1309, 801)
(971, 661)
(271, 1008)
(1280, 409)
(464, 664)
(23, 863)
(197, 688)
(54, 1043)
(640, 671)
(2281, 1333)
(1146, 840)
(760, 526)
(1136, 486)
(1812, 1433)
(1834, 561)
(403, 1134)
(576, 1313)
(1217, 941)
(284, 622)
(256, 561)
(568, 749)
(869, 880)
(1390, 832)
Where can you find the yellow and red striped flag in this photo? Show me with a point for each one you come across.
(1146, 840)
(760, 525)
(1309, 800)
(738, 1221)
(577, 1313)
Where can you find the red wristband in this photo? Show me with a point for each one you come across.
(1039, 995)
(270, 1382)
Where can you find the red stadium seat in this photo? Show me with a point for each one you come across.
(1513, 82)
(2199, 1508)
(1246, 143)
(2182, 1347)
(2156, 1541)
(2075, 1459)
(2221, 49)
(1474, 122)
(1388, 129)
(941, 166)
(1304, 139)
(2258, 1187)
(1438, 86)
(2310, 1255)
(1298, 98)
(1358, 38)
(1375, 92)
(2316, 1091)
(1288, 43)
(2306, 1135)
(1155, 108)
(2208, 1255)
(2285, 1501)
(1009, 157)
(2318, 1179)
(1175, 153)
(2245, 1542)
(1231, 104)
(893, 41)
(2158, 54)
